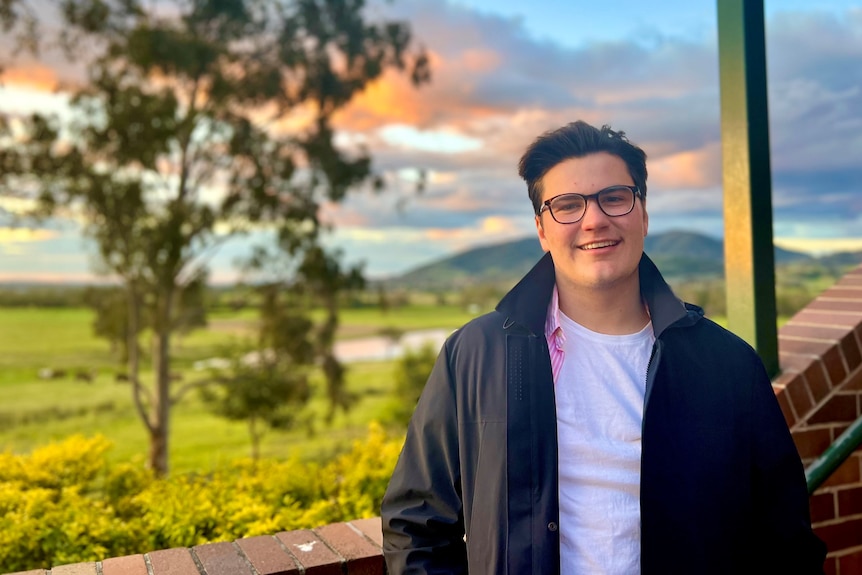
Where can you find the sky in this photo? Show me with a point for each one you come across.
(503, 74)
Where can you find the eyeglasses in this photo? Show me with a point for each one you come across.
(614, 201)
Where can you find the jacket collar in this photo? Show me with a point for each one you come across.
(527, 302)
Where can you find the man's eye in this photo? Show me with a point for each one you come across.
(569, 205)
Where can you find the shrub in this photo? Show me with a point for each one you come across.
(63, 503)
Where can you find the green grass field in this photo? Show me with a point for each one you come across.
(34, 411)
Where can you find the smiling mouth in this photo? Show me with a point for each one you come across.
(597, 245)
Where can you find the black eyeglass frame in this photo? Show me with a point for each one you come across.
(636, 193)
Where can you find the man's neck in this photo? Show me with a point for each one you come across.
(614, 310)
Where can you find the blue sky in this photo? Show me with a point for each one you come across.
(503, 74)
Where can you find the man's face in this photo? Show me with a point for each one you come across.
(597, 252)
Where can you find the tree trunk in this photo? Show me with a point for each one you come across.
(160, 430)
(158, 456)
(133, 363)
(255, 439)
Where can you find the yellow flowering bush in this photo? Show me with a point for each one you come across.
(64, 503)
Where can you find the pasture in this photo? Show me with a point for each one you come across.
(85, 396)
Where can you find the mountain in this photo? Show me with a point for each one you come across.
(678, 254)
(687, 254)
(504, 262)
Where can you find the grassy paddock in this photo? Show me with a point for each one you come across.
(34, 411)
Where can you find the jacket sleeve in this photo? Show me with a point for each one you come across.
(780, 494)
(422, 513)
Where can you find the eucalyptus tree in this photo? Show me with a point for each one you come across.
(177, 140)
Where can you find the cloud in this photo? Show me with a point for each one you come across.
(26, 235)
(495, 87)
(36, 76)
(697, 168)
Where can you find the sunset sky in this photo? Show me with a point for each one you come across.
(502, 74)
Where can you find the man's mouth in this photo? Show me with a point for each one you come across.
(597, 245)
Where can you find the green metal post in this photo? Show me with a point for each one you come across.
(822, 467)
(749, 257)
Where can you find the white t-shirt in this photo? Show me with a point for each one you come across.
(599, 396)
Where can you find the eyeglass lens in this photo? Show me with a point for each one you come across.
(612, 201)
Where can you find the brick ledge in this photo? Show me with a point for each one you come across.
(351, 548)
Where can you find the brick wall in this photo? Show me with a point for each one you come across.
(820, 393)
(351, 548)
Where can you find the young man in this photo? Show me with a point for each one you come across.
(594, 423)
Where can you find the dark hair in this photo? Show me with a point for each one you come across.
(576, 140)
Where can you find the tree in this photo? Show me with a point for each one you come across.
(267, 384)
(176, 130)
(411, 374)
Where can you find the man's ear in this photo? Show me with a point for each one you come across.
(646, 218)
(540, 230)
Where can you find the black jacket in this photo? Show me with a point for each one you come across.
(722, 487)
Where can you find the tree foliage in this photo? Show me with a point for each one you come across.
(176, 141)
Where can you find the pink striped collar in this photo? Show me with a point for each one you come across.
(554, 334)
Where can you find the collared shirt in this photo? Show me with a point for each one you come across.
(554, 334)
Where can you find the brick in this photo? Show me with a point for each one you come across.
(267, 556)
(786, 409)
(88, 568)
(854, 382)
(850, 563)
(800, 399)
(835, 305)
(811, 443)
(177, 561)
(372, 528)
(850, 501)
(806, 331)
(222, 558)
(851, 276)
(841, 407)
(795, 362)
(846, 474)
(812, 347)
(361, 556)
(842, 535)
(128, 565)
(843, 293)
(815, 377)
(313, 554)
(824, 317)
(851, 351)
(822, 506)
(834, 364)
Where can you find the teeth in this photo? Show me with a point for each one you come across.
(597, 245)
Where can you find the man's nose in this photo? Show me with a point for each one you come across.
(593, 216)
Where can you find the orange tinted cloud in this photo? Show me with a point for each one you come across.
(450, 96)
(480, 60)
(488, 230)
(699, 168)
(390, 99)
(34, 76)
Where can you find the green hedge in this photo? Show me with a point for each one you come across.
(63, 503)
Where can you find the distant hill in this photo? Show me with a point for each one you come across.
(502, 263)
(679, 254)
(686, 254)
